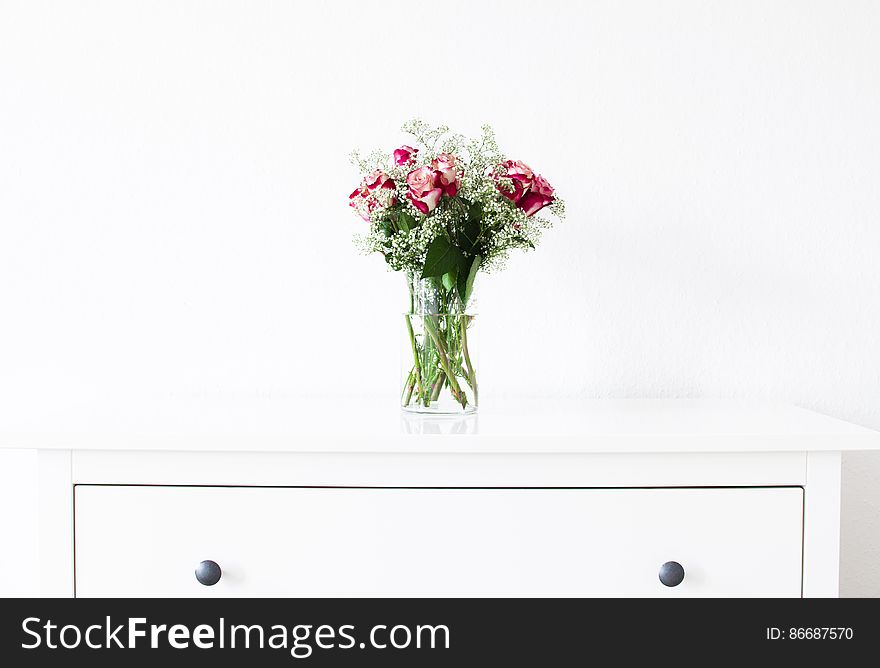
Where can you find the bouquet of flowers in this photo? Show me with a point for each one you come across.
(442, 211)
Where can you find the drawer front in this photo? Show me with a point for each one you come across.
(147, 541)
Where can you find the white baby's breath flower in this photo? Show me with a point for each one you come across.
(503, 225)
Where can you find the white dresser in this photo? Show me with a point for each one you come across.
(259, 497)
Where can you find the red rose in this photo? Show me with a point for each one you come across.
(539, 195)
(518, 183)
(517, 179)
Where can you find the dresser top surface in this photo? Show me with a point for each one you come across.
(359, 425)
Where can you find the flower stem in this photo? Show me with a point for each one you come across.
(438, 386)
(415, 351)
(408, 389)
(437, 336)
(472, 376)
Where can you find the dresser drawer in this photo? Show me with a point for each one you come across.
(147, 541)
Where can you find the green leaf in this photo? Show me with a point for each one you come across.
(448, 279)
(461, 283)
(405, 221)
(475, 212)
(470, 232)
(385, 226)
(442, 257)
(466, 279)
(472, 275)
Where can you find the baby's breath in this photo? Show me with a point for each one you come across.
(503, 226)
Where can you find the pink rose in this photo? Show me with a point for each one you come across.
(376, 191)
(382, 187)
(424, 192)
(521, 177)
(378, 179)
(518, 183)
(405, 155)
(447, 173)
(539, 195)
(361, 202)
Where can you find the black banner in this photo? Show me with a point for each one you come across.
(430, 632)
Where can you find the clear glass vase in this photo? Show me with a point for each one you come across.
(437, 362)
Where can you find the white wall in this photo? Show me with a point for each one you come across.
(173, 218)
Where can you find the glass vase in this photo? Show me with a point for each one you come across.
(437, 361)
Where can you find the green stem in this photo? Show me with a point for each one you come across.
(408, 389)
(415, 352)
(460, 396)
(438, 386)
(472, 376)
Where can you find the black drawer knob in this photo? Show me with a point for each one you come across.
(208, 573)
(671, 573)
